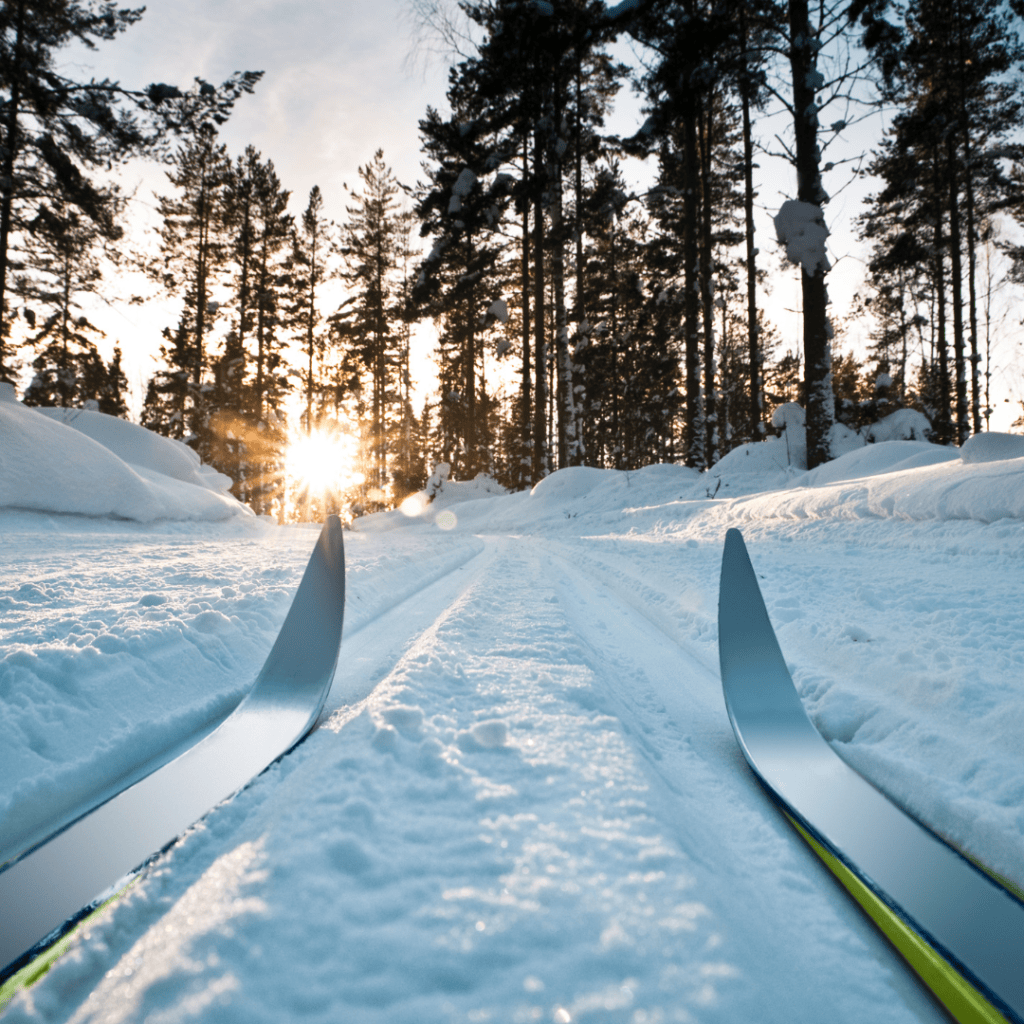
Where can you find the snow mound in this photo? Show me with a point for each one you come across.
(994, 447)
(47, 466)
(876, 459)
(901, 425)
(455, 492)
(141, 447)
(936, 488)
(569, 484)
(433, 504)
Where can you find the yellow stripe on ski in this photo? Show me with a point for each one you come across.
(957, 994)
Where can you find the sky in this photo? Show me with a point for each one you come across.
(339, 83)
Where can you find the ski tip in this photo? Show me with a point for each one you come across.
(331, 545)
(737, 572)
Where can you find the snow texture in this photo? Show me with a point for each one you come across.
(800, 227)
(622, 8)
(992, 447)
(524, 801)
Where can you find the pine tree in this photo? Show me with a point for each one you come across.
(53, 127)
(61, 263)
(310, 249)
(371, 246)
(941, 164)
(111, 398)
(170, 394)
(460, 282)
(57, 131)
(193, 233)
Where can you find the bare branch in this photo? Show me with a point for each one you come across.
(440, 33)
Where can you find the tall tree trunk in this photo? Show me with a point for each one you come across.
(711, 436)
(753, 344)
(470, 430)
(202, 257)
(540, 362)
(11, 143)
(943, 427)
(972, 240)
(962, 426)
(568, 442)
(310, 315)
(691, 299)
(618, 449)
(817, 350)
(526, 425)
(65, 317)
(582, 331)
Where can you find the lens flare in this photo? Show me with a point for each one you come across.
(322, 464)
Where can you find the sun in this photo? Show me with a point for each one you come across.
(321, 464)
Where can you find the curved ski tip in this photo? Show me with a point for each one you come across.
(734, 559)
(331, 547)
(734, 538)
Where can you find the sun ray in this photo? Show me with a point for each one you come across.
(321, 466)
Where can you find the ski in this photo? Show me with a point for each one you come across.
(47, 887)
(957, 928)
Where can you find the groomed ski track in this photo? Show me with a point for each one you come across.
(523, 677)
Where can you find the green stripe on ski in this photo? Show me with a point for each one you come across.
(957, 994)
(36, 968)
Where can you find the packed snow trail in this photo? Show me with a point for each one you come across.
(536, 814)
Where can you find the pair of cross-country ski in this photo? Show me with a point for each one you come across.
(958, 928)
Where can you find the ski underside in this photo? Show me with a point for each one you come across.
(48, 886)
(961, 931)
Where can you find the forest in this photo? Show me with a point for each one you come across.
(579, 320)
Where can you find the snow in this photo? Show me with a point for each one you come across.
(464, 183)
(524, 801)
(800, 227)
(622, 8)
(993, 447)
(87, 463)
(498, 310)
(901, 425)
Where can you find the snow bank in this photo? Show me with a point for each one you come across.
(901, 425)
(993, 447)
(47, 466)
(934, 487)
(140, 447)
(434, 503)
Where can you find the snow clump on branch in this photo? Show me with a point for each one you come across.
(801, 228)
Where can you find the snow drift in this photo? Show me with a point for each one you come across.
(79, 462)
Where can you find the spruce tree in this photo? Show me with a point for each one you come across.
(309, 270)
(56, 132)
(61, 266)
(372, 240)
(192, 237)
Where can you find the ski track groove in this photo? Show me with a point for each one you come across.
(30, 834)
(648, 675)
